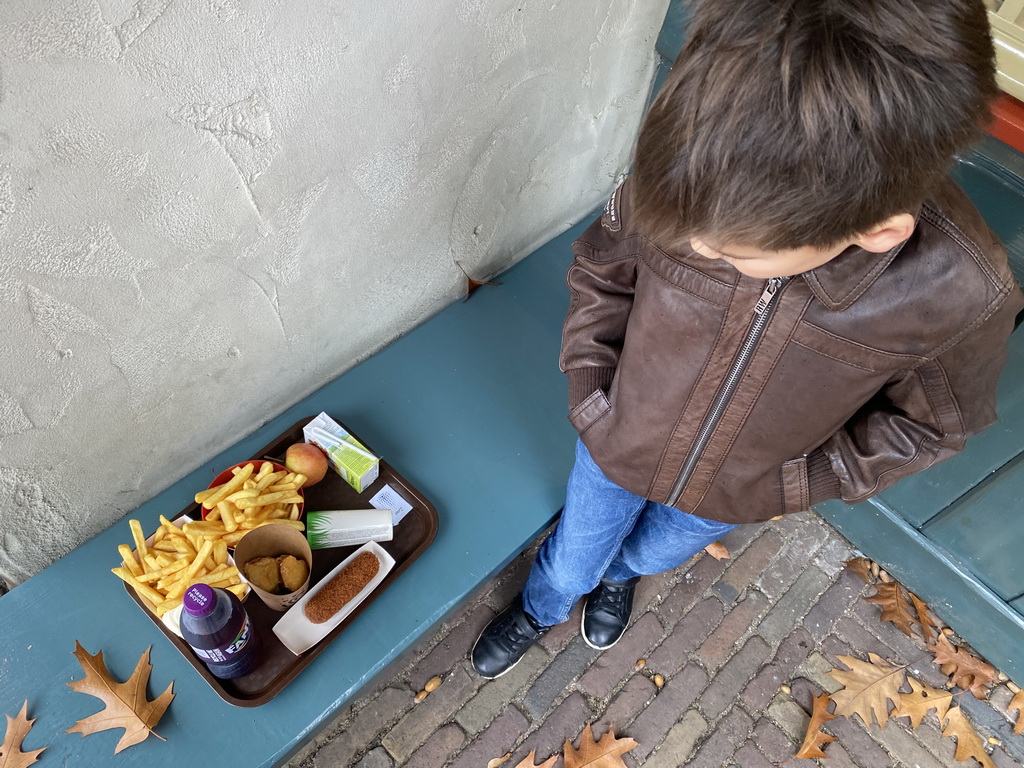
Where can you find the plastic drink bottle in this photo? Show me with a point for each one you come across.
(216, 626)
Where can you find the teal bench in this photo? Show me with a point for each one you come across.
(469, 407)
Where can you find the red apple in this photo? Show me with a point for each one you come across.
(308, 460)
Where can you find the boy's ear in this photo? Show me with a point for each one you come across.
(887, 234)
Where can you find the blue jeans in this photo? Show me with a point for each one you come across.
(607, 532)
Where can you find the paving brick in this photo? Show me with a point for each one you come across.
(675, 649)
(989, 722)
(678, 742)
(837, 599)
(565, 722)
(376, 758)
(495, 695)
(833, 553)
(362, 728)
(509, 583)
(496, 740)
(778, 747)
(561, 634)
(739, 537)
(438, 748)
(816, 668)
(721, 643)
(688, 590)
(651, 725)
(793, 605)
(652, 590)
(745, 569)
(748, 756)
(907, 650)
(720, 695)
(452, 648)
(791, 653)
(727, 593)
(628, 702)
(423, 719)
(802, 540)
(618, 661)
(896, 741)
(566, 667)
(729, 734)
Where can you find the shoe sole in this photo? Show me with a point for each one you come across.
(587, 639)
(493, 677)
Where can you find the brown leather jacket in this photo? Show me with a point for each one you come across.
(694, 386)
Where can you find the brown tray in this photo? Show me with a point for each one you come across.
(279, 666)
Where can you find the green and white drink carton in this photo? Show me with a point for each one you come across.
(347, 456)
(343, 528)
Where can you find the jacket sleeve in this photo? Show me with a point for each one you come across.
(921, 417)
(601, 281)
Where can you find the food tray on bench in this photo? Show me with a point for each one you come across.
(279, 666)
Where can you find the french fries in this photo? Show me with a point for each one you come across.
(175, 558)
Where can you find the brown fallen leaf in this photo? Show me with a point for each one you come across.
(605, 753)
(472, 285)
(966, 669)
(968, 744)
(862, 567)
(718, 551)
(18, 727)
(868, 687)
(920, 700)
(924, 619)
(127, 705)
(815, 738)
(1017, 702)
(896, 605)
(527, 762)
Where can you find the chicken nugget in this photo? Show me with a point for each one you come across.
(294, 572)
(263, 572)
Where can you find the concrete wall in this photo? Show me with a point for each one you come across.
(210, 208)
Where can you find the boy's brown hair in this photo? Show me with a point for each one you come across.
(789, 123)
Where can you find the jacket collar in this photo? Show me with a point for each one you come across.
(841, 281)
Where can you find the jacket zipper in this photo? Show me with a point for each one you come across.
(763, 311)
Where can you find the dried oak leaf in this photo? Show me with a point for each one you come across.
(868, 687)
(924, 619)
(814, 738)
(472, 285)
(527, 762)
(920, 700)
(1017, 702)
(862, 567)
(968, 744)
(127, 705)
(604, 753)
(896, 605)
(965, 669)
(718, 551)
(18, 727)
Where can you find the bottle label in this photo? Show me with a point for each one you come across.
(234, 648)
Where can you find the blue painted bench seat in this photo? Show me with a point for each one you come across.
(469, 407)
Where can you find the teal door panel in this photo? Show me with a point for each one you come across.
(985, 529)
(920, 497)
(1018, 605)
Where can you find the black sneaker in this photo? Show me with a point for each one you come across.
(505, 640)
(606, 613)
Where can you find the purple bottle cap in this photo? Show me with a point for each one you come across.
(199, 600)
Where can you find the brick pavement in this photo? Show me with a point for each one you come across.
(743, 645)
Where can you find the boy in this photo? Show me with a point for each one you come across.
(788, 302)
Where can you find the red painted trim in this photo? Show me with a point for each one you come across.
(1008, 122)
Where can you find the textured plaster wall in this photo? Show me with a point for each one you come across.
(210, 208)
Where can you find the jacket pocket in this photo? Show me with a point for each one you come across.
(584, 415)
(796, 492)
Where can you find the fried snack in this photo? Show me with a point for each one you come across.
(333, 596)
(294, 572)
(263, 573)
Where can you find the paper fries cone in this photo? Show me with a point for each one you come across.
(271, 541)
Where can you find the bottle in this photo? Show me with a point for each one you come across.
(216, 626)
